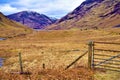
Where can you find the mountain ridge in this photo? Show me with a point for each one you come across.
(91, 14)
(32, 19)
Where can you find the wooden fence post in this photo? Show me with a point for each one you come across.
(43, 66)
(93, 54)
(20, 62)
(90, 54)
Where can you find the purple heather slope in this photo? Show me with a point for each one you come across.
(32, 19)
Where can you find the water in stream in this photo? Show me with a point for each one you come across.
(2, 39)
(1, 62)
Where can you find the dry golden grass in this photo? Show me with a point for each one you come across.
(79, 73)
(55, 49)
(9, 28)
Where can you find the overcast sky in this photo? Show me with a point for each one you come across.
(51, 8)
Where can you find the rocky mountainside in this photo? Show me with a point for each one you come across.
(91, 14)
(32, 19)
(9, 28)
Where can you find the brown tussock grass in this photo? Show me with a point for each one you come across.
(78, 73)
(55, 49)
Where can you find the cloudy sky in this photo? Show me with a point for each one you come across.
(52, 8)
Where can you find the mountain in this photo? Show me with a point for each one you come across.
(32, 19)
(9, 28)
(91, 14)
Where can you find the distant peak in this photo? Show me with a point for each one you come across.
(32, 12)
(28, 12)
(32, 19)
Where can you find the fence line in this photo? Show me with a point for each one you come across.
(76, 60)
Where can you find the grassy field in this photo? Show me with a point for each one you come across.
(55, 49)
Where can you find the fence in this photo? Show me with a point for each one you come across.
(107, 59)
(102, 60)
(76, 59)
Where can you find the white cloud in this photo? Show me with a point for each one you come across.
(7, 8)
(42, 6)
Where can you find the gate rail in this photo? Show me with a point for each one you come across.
(108, 61)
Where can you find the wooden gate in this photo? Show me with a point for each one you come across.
(104, 55)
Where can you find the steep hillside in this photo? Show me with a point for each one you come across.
(32, 19)
(91, 14)
(9, 28)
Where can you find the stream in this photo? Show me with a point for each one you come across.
(1, 62)
(1, 39)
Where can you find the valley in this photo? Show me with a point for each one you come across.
(55, 49)
(34, 46)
